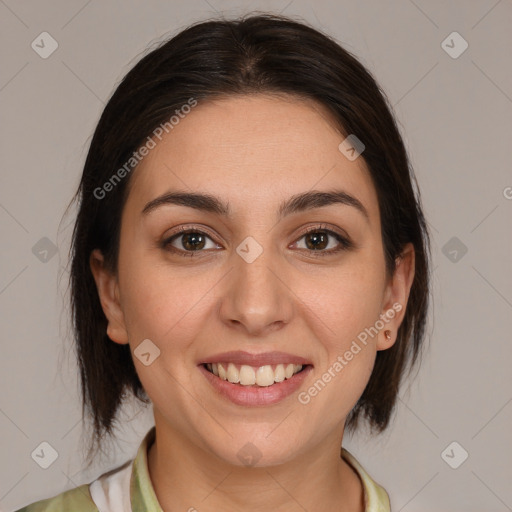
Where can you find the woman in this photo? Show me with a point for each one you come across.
(251, 257)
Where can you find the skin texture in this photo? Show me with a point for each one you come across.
(253, 152)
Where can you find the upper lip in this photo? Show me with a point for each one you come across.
(239, 357)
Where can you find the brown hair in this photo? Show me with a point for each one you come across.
(252, 54)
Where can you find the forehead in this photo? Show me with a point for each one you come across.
(257, 147)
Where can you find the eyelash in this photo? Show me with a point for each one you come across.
(345, 243)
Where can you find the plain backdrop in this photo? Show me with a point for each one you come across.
(454, 106)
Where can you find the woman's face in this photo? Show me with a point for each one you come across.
(251, 280)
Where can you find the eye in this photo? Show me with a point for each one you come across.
(189, 241)
(317, 240)
(192, 240)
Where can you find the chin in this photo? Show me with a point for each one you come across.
(249, 450)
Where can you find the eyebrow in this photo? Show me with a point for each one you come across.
(295, 204)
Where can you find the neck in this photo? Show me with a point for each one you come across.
(186, 477)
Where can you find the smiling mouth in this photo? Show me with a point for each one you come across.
(262, 376)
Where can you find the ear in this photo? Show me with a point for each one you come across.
(396, 296)
(108, 291)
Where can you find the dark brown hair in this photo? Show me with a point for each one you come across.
(252, 54)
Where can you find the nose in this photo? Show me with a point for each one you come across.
(257, 298)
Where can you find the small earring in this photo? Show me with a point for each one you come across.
(387, 334)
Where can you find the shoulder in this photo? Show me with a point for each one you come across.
(77, 500)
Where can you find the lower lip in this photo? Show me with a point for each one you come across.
(256, 395)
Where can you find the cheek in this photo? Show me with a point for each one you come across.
(341, 315)
(167, 309)
(347, 352)
(161, 306)
(346, 301)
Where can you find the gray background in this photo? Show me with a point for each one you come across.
(455, 115)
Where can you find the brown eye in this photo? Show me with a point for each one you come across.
(324, 241)
(317, 240)
(187, 242)
(193, 241)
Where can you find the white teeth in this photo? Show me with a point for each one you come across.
(265, 376)
(248, 376)
(232, 374)
(222, 372)
(279, 375)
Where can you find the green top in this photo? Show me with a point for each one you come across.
(143, 498)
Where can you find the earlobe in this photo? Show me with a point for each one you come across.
(108, 292)
(396, 297)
